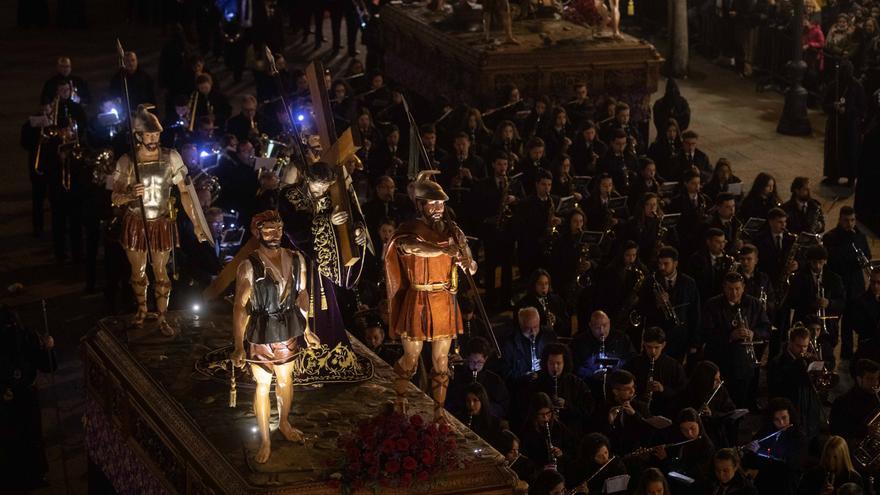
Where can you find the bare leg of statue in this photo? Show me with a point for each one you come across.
(261, 411)
(404, 370)
(615, 18)
(440, 376)
(138, 262)
(487, 26)
(162, 290)
(508, 24)
(284, 395)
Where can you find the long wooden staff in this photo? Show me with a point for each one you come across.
(132, 157)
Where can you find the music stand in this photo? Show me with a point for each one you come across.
(582, 181)
(671, 220)
(592, 237)
(753, 225)
(565, 204)
(618, 206)
(667, 189)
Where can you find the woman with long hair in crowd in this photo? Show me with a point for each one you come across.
(706, 394)
(475, 414)
(834, 470)
(594, 465)
(652, 482)
(722, 178)
(691, 459)
(762, 197)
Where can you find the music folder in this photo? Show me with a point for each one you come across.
(667, 189)
(591, 237)
(671, 220)
(565, 204)
(582, 180)
(753, 224)
(618, 206)
(616, 484)
(735, 188)
(687, 480)
(659, 422)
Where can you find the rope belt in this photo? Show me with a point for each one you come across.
(433, 287)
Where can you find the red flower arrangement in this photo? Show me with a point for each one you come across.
(394, 450)
(583, 12)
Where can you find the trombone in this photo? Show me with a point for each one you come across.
(193, 103)
(48, 132)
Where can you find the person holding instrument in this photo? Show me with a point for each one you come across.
(269, 314)
(421, 262)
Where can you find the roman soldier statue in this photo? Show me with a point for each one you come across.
(148, 231)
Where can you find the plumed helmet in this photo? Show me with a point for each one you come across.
(427, 189)
(146, 121)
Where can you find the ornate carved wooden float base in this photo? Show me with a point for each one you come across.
(434, 56)
(155, 423)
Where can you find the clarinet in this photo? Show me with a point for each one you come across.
(475, 375)
(555, 389)
(470, 420)
(550, 444)
(650, 392)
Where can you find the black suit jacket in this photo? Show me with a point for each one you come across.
(685, 299)
(699, 160)
(802, 295)
(771, 259)
(718, 316)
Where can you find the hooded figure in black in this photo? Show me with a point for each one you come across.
(844, 104)
(671, 106)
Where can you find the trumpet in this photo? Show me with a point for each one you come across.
(824, 379)
(740, 322)
(863, 260)
(664, 304)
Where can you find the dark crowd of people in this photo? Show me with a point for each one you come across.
(644, 299)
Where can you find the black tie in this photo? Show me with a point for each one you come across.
(779, 242)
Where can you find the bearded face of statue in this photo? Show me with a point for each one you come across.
(270, 234)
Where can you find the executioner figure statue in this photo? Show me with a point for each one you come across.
(149, 199)
(421, 261)
(270, 314)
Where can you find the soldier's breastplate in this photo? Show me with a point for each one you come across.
(155, 176)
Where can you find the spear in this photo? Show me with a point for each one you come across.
(132, 157)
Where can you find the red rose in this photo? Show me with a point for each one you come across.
(402, 445)
(427, 457)
(409, 463)
(422, 476)
(333, 484)
(406, 479)
(444, 428)
(416, 420)
(388, 446)
(392, 467)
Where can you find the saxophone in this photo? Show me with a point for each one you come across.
(628, 311)
(504, 211)
(784, 282)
